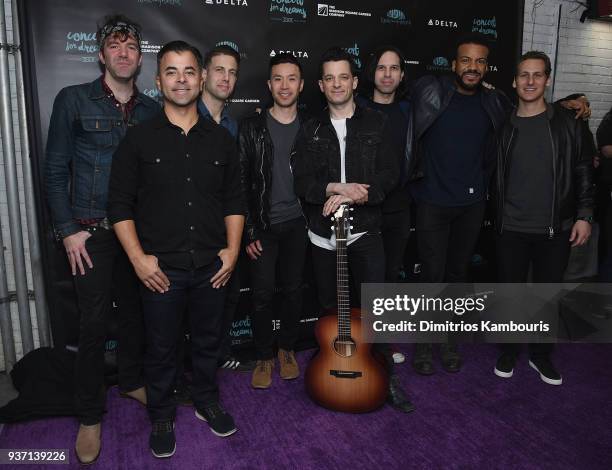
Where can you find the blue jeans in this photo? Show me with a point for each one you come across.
(192, 293)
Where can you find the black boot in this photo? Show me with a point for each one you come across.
(397, 397)
(422, 362)
(451, 359)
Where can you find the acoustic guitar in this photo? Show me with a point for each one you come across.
(343, 375)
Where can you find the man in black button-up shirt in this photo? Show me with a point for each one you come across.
(177, 207)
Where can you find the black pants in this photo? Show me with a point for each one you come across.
(366, 263)
(94, 290)
(516, 252)
(446, 238)
(284, 246)
(190, 292)
(395, 234)
(232, 299)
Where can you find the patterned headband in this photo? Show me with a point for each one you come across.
(121, 28)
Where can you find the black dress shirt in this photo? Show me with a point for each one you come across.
(177, 188)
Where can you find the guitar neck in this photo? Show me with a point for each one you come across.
(342, 281)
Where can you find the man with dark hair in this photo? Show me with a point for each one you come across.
(221, 66)
(451, 154)
(544, 192)
(276, 227)
(346, 155)
(86, 125)
(177, 208)
(383, 85)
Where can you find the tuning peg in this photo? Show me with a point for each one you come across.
(350, 218)
(333, 218)
(351, 209)
(351, 227)
(332, 227)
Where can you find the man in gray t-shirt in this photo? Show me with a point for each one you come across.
(276, 227)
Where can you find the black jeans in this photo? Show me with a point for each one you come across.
(446, 238)
(366, 263)
(190, 292)
(548, 257)
(395, 233)
(284, 246)
(232, 299)
(94, 291)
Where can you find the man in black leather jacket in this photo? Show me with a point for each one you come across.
(347, 155)
(276, 227)
(450, 153)
(544, 195)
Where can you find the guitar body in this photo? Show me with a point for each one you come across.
(344, 376)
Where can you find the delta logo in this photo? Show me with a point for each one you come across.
(442, 23)
(232, 3)
(395, 17)
(298, 54)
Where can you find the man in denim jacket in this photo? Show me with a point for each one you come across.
(87, 124)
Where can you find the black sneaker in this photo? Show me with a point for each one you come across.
(232, 363)
(505, 366)
(162, 441)
(547, 371)
(219, 420)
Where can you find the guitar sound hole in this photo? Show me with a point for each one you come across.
(345, 348)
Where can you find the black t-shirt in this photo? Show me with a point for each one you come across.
(529, 176)
(397, 122)
(284, 204)
(454, 154)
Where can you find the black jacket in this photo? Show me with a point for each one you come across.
(429, 97)
(572, 170)
(256, 152)
(370, 159)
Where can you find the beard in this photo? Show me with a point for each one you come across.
(468, 86)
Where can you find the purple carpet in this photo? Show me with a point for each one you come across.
(468, 420)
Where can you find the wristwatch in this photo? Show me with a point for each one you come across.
(588, 219)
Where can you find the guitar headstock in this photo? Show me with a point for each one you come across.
(341, 221)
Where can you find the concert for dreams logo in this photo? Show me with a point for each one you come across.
(288, 11)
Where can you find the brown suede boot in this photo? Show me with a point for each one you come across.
(289, 368)
(87, 447)
(140, 395)
(262, 375)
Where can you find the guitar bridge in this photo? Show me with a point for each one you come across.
(345, 374)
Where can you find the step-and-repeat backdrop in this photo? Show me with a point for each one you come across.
(61, 49)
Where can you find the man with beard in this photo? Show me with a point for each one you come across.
(346, 155)
(451, 154)
(176, 205)
(276, 227)
(545, 197)
(87, 124)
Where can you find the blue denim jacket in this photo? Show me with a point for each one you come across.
(85, 129)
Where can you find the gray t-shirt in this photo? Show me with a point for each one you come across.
(529, 180)
(284, 203)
